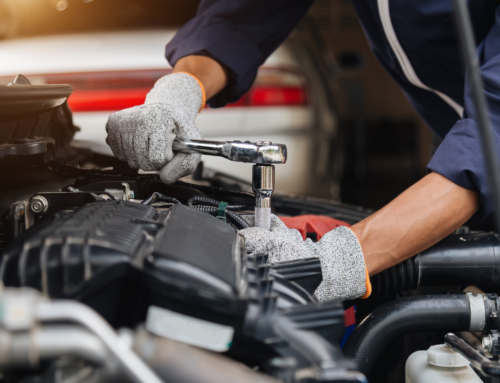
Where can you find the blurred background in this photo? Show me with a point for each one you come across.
(351, 133)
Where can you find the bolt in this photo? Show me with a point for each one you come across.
(488, 343)
(39, 204)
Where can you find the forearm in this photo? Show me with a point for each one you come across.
(211, 74)
(418, 218)
(239, 35)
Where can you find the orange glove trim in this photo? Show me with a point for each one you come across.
(203, 94)
(368, 284)
(322, 225)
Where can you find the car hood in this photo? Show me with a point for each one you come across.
(125, 50)
(97, 51)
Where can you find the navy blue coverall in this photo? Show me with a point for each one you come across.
(414, 40)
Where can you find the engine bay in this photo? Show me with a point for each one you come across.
(110, 275)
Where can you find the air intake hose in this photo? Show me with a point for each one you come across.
(459, 259)
(454, 312)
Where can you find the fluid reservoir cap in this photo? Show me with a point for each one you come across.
(441, 355)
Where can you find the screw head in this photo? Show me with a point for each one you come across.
(487, 343)
(39, 204)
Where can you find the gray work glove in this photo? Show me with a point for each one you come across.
(143, 135)
(342, 262)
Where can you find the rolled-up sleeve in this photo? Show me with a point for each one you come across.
(240, 34)
(460, 156)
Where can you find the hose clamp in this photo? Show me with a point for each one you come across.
(477, 312)
(221, 211)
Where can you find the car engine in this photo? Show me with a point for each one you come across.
(110, 275)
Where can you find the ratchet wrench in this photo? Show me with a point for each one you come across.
(261, 153)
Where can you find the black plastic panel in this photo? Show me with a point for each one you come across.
(200, 240)
(22, 97)
(185, 254)
(59, 257)
(30, 118)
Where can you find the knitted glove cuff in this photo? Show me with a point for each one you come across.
(342, 262)
(343, 266)
(182, 91)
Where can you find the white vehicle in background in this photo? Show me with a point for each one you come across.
(114, 70)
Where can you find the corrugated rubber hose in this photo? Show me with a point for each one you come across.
(158, 197)
(207, 201)
(233, 218)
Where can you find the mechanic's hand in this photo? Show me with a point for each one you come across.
(342, 261)
(143, 135)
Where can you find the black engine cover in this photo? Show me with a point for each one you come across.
(119, 257)
(210, 247)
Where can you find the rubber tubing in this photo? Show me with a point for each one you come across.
(404, 316)
(207, 201)
(234, 218)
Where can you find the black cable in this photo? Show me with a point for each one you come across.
(216, 190)
(207, 201)
(471, 61)
(158, 197)
(202, 200)
(233, 218)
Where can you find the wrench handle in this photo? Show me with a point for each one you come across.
(211, 148)
(251, 152)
